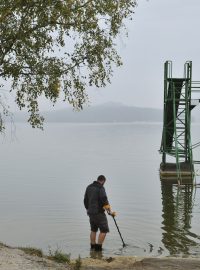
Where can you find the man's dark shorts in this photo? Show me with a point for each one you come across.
(99, 221)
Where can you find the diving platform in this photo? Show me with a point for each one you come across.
(176, 135)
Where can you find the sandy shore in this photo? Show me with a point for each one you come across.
(16, 259)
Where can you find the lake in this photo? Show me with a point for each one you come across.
(43, 179)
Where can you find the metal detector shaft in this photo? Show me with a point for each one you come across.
(119, 232)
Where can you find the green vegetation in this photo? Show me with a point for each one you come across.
(3, 245)
(49, 47)
(59, 256)
(78, 264)
(32, 251)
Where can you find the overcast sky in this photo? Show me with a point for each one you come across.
(161, 30)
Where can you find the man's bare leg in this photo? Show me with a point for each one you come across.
(93, 237)
(101, 238)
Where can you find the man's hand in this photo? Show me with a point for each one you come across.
(107, 207)
(113, 214)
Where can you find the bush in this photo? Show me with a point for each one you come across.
(32, 251)
(59, 257)
(78, 263)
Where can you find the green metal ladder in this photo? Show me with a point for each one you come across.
(176, 137)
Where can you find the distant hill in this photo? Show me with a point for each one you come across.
(100, 114)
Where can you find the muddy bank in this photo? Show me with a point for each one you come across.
(135, 263)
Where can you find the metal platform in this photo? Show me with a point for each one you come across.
(168, 173)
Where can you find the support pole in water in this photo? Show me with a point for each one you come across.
(119, 232)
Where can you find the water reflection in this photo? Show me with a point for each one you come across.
(177, 216)
(96, 255)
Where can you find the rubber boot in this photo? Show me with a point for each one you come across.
(98, 247)
(92, 246)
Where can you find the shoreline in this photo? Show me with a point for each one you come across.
(12, 258)
(141, 263)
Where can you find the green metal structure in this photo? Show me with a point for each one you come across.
(176, 136)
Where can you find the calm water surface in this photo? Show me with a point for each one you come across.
(44, 176)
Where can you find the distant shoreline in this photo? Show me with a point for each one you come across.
(98, 114)
(97, 123)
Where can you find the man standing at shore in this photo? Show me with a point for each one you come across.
(96, 202)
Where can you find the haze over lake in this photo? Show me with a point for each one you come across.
(104, 113)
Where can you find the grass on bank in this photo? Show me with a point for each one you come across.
(61, 257)
(3, 245)
(32, 251)
(78, 263)
(57, 255)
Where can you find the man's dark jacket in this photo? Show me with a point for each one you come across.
(95, 198)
